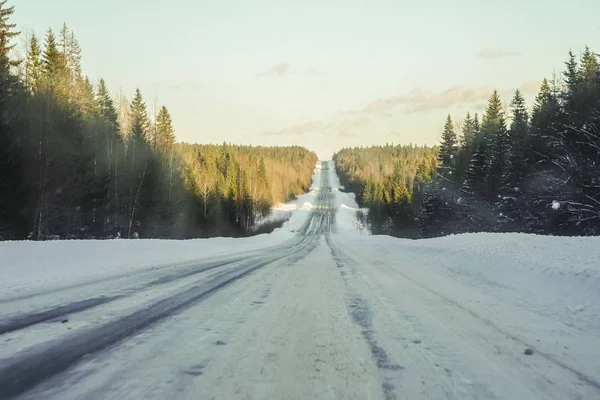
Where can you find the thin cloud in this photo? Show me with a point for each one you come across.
(531, 87)
(450, 98)
(280, 69)
(378, 115)
(492, 54)
(285, 69)
(423, 101)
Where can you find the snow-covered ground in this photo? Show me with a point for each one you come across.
(28, 265)
(332, 313)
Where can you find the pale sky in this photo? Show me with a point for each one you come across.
(321, 74)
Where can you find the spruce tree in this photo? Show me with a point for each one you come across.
(589, 67)
(474, 207)
(34, 65)
(476, 125)
(518, 134)
(138, 155)
(468, 130)
(511, 202)
(447, 149)
(53, 61)
(7, 33)
(164, 130)
(74, 55)
(572, 79)
(140, 123)
(106, 108)
(112, 149)
(495, 134)
(14, 222)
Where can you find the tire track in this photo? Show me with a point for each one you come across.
(16, 322)
(40, 362)
(362, 315)
(359, 309)
(19, 321)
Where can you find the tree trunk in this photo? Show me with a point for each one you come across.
(136, 200)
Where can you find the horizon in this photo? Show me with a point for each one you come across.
(321, 76)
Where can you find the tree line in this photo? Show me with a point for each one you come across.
(73, 164)
(534, 170)
(388, 180)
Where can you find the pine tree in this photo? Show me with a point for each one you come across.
(14, 223)
(140, 123)
(572, 79)
(476, 125)
(473, 206)
(590, 87)
(63, 40)
(511, 204)
(589, 67)
(468, 130)
(465, 150)
(262, 172)
(34, 65)
(85, 97)
(164, 130)
(107, 108)
(495, 134)
(518, 132)
(543, 148)
(138, 155)
(368, 194)
(440, 205)
(112, 147)
(7, 33)
(542, 100)
(447, 149)
(53, 61)
(73, 56)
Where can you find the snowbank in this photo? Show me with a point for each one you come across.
(558, 276)
(28, 264)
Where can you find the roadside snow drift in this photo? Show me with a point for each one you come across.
(556, 275)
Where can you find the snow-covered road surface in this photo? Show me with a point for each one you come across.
(317, 310)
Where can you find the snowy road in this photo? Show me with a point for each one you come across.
(328, 313)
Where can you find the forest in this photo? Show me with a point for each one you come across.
(76, 163)
(532, 170)
(388, 180)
